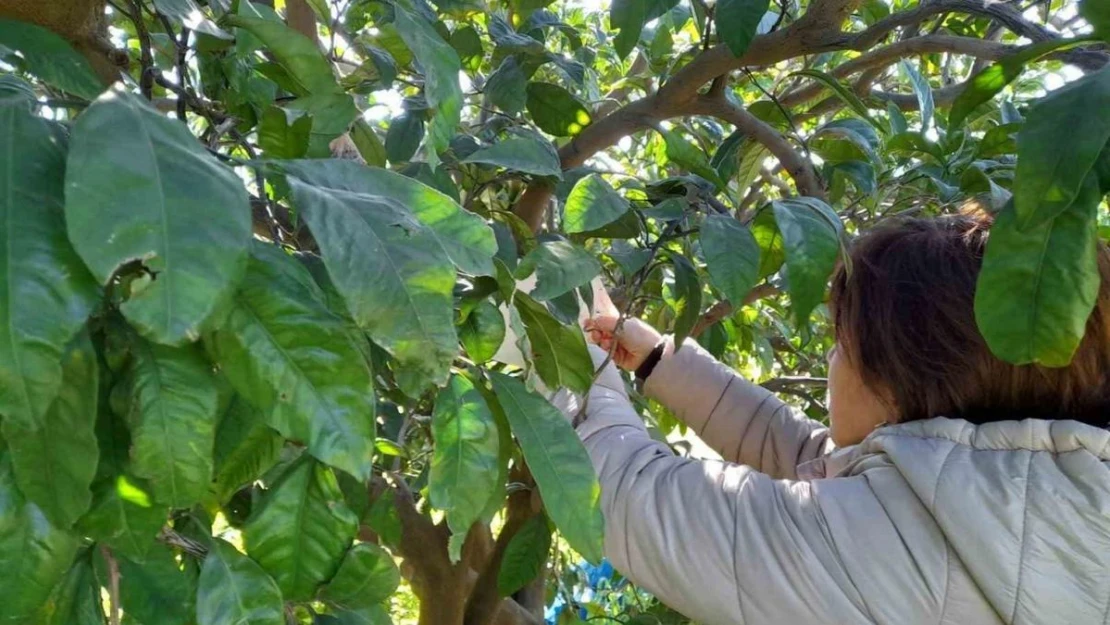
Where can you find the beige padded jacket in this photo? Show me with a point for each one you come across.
(930, 522)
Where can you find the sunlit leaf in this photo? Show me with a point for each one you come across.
(592, 204)
(555, 110)
(530, 155)
(732, 256)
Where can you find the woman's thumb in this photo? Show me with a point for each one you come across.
(603, 323)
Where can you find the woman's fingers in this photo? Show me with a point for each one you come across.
(603, 323)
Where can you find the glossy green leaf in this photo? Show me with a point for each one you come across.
(298, 55)
(464, 236)
(55, 462)
(284, 133)
(772, 253)
(301, 529)
(558, 351)
(51, 58)
(922, 90)
(464, 467)
(140, 186)
(752, 155)
(188, 14)
(629, 16)
(246, 446)
(76, 599)
(370, 147)
(989, 82)
(173, 421)
(47, 293)
(366, 577)
(559, 463)
(737, 22)
(124, 517)
(845, 94)
(157, 590)
(1038, 285)
(285, 352)
(530, 155)
(811, 242)
(384, 520)
(441, 73)
(373, 615)
(592, 204)
(560, 267)
(233, 589)
(506, 87)
(403, 138)
(35, 553)
(687, 298)
(1050, 172)
(482, 332)
(689, 157)
(732, 256)
(525, 557)
(555, 110)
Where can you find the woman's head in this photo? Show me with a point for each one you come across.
(908, 346)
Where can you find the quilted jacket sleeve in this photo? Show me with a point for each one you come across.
(743, 422)
(717, 541)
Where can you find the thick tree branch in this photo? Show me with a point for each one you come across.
(300, 17)
(798, 166)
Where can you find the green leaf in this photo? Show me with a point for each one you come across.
(441, 73)
(173, 421)
(157, 590)
(687, 296)
(284, 133)
(559, 462)
(1038, 285)
(464, 468)
(558, 351)
(507, 86)
(998, 140)
(1098, 14)
(124, 517)
(246, 447)
(898, 123)
(233, 589)
(630, 16)
(35, 553)
(923, 92)
(51, 58)
(1051, 172)
(732, 256)
(188, 14)
(403, 138)
(989, 82)
(47, 293)
(772, 253)
(384, 520)
(331, 113)
(560, 267)
(366, 577)
(298, 55)
(592, 204)
(726, 160)
(140, 186)
(752, 155)
(55, 462)
(525, 557)
(689, 157)
(811, 240)
(392, 271)
(301, 529)
(737, 22)
(283, 350)
(555, 110)
(76, 599)
(846, 95)
(482, 332)
(369, 146)
(373, 615)
(528, 154)
(464, 236)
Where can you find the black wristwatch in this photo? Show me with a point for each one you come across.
(645, 369)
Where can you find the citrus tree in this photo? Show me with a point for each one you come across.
(263, 262)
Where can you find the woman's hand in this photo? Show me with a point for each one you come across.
(634, 342)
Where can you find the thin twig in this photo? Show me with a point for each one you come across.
(113, 585)
(146, 58)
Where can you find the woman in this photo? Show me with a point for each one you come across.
(951, 487)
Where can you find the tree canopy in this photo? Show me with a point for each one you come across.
(261, 260)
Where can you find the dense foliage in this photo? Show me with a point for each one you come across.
(256, 293)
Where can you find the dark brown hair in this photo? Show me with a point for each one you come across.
(904, 314)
